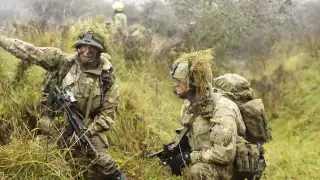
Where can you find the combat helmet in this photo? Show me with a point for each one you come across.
(91, 39)
(118, 6)
(92, 33)
(194, 69)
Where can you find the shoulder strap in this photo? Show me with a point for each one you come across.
(90, 100)
(185, 130)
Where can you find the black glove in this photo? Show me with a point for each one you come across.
(180, 161)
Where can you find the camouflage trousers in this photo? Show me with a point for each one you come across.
(204, 171)
(102, 163)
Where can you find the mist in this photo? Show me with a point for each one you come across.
(239, 28)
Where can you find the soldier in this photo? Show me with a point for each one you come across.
(88, 75)
(120, 22)
(213, 132)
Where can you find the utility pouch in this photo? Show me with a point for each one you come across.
(254, 117)
(249, 161)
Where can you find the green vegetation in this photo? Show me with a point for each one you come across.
(268, 43)
(294, 153)
(148, 114)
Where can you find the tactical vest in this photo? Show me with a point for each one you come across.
(88, 86)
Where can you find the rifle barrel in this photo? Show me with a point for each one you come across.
(154, 154)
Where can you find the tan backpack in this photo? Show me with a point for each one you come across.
(249, 161)
(237, 88)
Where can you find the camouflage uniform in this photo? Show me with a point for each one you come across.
(120, 22)
(213, 136)
(120, 26)
(138, 42)
(213, 133)
(79, 80)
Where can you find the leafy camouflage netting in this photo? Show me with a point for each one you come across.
(200, 69)
(96, 26)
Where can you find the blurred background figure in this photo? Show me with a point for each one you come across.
(120, 22)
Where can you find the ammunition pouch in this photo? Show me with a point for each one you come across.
(249, 161)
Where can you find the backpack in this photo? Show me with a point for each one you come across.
(237, 89)
(249, 161)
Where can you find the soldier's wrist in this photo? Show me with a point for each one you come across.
(195, 157)
(92, 128)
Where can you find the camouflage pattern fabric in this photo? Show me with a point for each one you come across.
(204, 171)
(79, 80)
(212, 136)
(120, 25)
(21, 69)
(235, 87)
(138, 42)
(139, 34)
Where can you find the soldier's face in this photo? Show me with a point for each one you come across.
(88, 53)
(180, 89)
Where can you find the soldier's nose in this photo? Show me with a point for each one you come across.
(87, 51)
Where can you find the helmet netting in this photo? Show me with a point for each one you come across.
(96, 26)
(200, 70)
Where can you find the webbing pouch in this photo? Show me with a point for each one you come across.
(249, 161)
(254, 117)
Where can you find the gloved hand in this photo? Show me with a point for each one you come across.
(182, 160)
(91, 130)
(99, 124)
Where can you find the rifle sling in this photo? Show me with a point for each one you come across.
(185, 130)
(90, 100)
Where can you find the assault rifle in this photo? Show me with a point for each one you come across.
(75, 119)
(172, 150)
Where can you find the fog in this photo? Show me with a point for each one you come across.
(232, 26)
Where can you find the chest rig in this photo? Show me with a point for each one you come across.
(88, 86)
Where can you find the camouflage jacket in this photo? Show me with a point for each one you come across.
(120, 23)
(213, 134)
(75, 78)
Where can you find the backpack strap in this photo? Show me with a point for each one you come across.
(185, 130)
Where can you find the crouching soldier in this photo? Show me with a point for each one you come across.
(88, 75)
(211, 119)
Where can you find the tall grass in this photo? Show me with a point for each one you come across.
(148, 113)
(295, 150)
(32, 159)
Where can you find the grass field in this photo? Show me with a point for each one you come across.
(147, 116)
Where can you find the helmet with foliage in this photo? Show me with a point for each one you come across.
(91, 39)
(195, 69)
(92, 33)
(118, 6)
